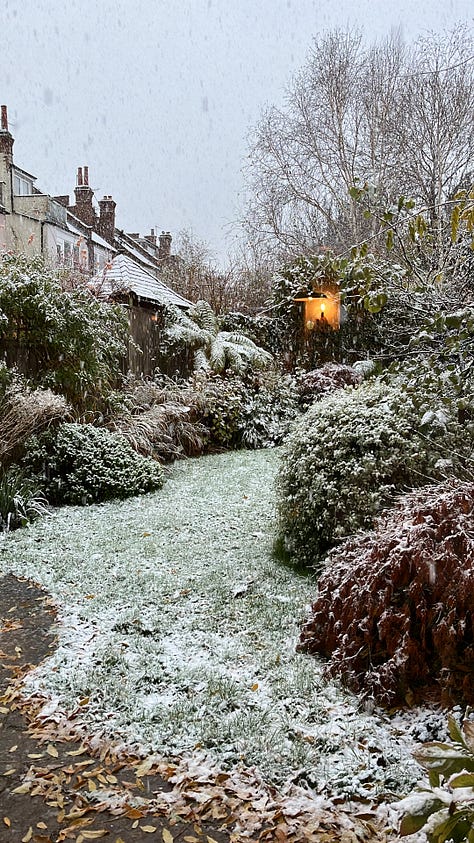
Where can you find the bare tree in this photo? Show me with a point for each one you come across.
(382, 114)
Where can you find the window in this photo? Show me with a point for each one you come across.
(21, 186)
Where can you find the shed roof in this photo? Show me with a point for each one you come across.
(123, 275)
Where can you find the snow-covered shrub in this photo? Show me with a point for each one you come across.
(21, 500)
(253, 412)
(347, 458)
(82, 464)
(319, 382)
(394, 606)
(62, 336)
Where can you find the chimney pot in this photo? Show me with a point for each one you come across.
(4, 119)
(79, 176)
(86, 176)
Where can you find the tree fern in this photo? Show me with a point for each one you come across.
(214, 350)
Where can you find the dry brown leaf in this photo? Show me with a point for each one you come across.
(167, 836)
(150, 829)
(4, 710)
(74, 752)
(211, 840)
(22, 788)
(51, 750)
(135, 824)
(189, 839)
(13, 748)
(41, 825)
(28, 835)
(112, 779)
(144, 767)
(7, 821)
(91, 785)
(94, 835)
(9, 772)
(36, 755)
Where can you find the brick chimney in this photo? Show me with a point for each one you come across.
(164, 250)
(6, 139)
(151, 237)
(84, 194)
(106, 225)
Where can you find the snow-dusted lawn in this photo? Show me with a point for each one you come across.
(180, 628)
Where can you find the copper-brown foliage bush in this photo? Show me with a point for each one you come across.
(394, 608)
(315, 384)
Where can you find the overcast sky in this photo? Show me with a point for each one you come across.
(158, 98)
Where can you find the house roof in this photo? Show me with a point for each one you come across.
(123, 275)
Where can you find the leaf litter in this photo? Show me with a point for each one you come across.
(177, 649)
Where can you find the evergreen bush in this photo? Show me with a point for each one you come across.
(82, 464)
(349, 456)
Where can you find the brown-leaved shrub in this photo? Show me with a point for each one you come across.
(394, 608)
(319, 382)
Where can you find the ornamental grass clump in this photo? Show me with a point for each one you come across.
(21, 501)
(347, 459)
(394, 607)
(83, 464)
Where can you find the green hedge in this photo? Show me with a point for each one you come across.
(82, 464)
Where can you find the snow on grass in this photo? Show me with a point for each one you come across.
(180, 628)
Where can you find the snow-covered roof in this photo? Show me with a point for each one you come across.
(123, 275)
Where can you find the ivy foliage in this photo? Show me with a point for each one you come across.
(83, 464)
(66, 339)
(444, 809)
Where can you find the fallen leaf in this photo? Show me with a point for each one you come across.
(135, 824)
(144, 767)
(189, 839)
(22, 788)
(150, 829)
(36, 755)
(13, 748)
(211, 840)
(94, 835)
(9, 772)
(254, 687)
(84, 701)
(7, 821)
(80, 751)
(28, 835)
(91, 785)
(51, 750)
(167, 836)
(4, 710)
(41, 825)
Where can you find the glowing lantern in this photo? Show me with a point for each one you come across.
(322, 309)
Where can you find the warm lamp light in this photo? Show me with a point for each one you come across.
(323, 307)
